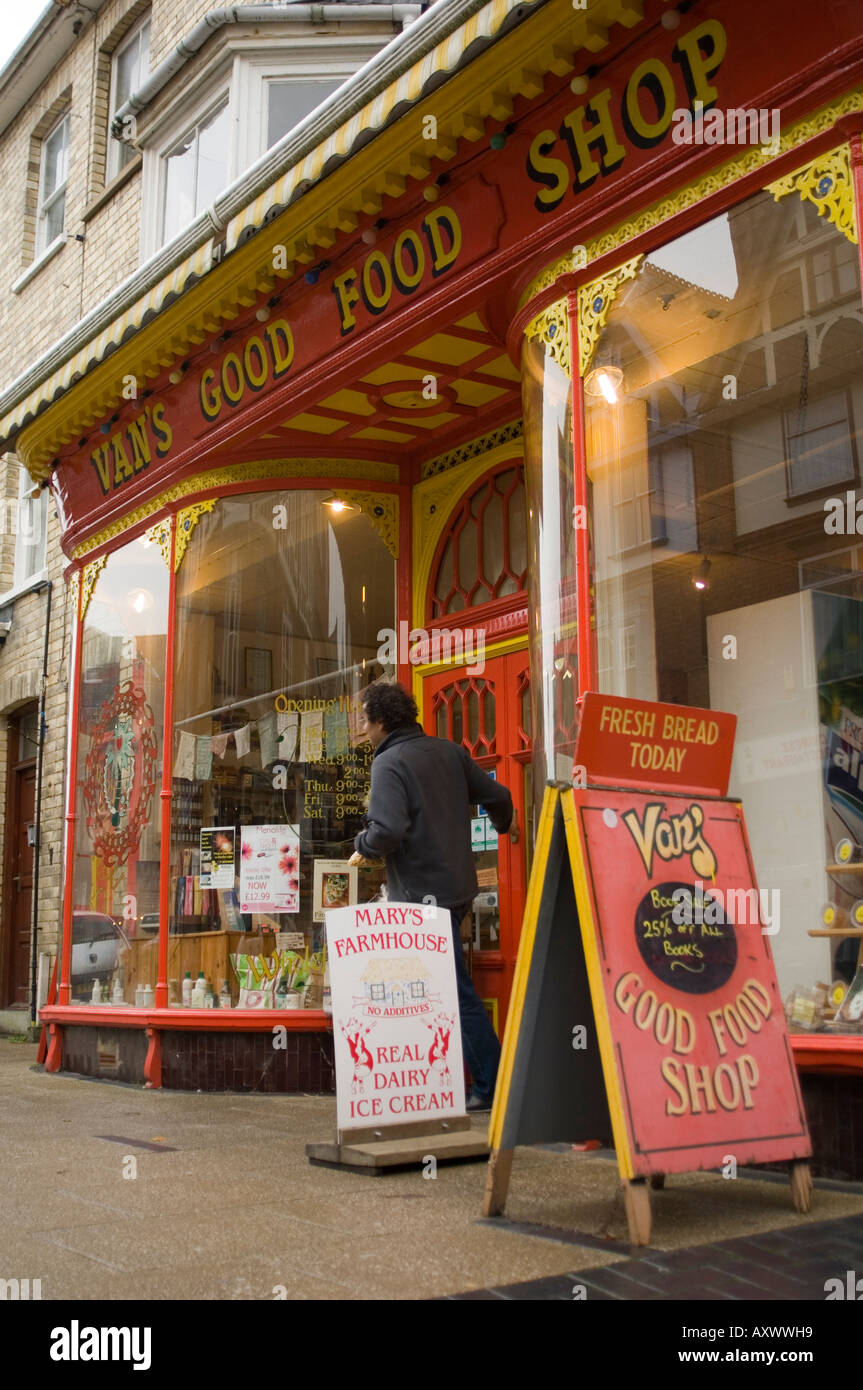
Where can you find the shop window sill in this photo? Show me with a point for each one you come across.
(240, 1020)
(836, 1054)
(33, 270)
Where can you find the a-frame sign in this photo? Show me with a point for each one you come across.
(645, 1006)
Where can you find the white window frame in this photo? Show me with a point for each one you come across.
(161, 141)
(221, 103)
(253, 74)
(241, 68)
(43, 204)
(31, 526)
(113, 164)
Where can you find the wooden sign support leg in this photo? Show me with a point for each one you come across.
(636, 1201)
(801, 1185)
(497, 1182)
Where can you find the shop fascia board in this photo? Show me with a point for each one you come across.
(405, 52)
(306, 228)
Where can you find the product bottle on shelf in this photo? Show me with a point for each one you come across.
(225, 995)
(187, 990)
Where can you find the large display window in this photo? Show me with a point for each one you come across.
(118, 774)
(280, 599)
(551, 569)
(723, 469)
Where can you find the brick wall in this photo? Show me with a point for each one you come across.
(101, 249)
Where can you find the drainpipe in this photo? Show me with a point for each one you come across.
(40, 754)
(252, 14)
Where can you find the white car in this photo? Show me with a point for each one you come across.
(97, 941)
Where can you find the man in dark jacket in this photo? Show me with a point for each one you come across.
(418, 820)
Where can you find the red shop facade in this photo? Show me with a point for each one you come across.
(549, 386)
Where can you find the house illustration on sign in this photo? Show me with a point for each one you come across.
(396, 982)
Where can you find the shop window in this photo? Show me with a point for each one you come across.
(276, 636)
(549, 474)
(118, 828)
(753, 375)
(53, 174)
(484, 553)
(130, 65)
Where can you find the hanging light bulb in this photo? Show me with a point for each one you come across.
(605, 381)
(701, 578)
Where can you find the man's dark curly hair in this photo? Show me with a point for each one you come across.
(390, 705)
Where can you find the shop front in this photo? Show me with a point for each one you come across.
(550, 386)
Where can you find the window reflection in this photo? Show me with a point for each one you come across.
(713, 478)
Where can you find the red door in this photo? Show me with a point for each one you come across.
(489, 715)
(19, 886)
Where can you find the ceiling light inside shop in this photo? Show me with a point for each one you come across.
(701, 578)
(606, 382)
(337, 506)
(140, 600)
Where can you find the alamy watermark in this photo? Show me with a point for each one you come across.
(751, 907)
(736, 126)
(415, 646)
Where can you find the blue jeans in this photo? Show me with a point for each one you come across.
(478, 1038)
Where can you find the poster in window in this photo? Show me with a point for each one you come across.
(336, 885)
(269, 868)
(217, 856)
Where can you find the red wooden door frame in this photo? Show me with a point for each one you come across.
(493, 970)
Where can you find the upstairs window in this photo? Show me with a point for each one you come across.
(30, 530)
(195, 170)
(130, 65)
(53, 173)
(288, 101)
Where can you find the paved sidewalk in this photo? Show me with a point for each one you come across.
(794, 1265)
(223, 1204)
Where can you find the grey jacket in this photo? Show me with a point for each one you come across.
(419, 816)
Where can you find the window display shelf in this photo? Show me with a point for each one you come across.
(830, 1055)
(844, 868)
(837, 932)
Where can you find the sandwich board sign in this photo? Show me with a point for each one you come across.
(397, 1038)
(645, 1005)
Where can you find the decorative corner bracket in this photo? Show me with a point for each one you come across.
(74, 591)
(187, 520)
(551, 327)
(594, 302)
(89, 575)
(161, 535)
(827, 184)
(382, 510)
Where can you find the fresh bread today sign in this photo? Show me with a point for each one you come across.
(395, 1014)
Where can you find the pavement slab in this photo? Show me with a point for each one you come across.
(112, 1192)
